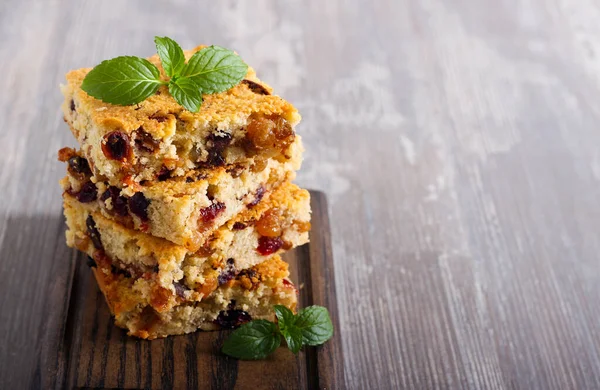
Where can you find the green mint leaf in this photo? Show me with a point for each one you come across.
(286, 321)
(215, 69)
(187, 93)
(123, 80)
(285, 316)
(171, 55)
(315, 325)
(253, 340)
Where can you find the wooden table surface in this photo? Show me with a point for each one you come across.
(458, 143)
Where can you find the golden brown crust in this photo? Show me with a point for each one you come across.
(158, 113)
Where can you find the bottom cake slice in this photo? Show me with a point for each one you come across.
(250, 295)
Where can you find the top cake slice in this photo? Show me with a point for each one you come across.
(246, 124)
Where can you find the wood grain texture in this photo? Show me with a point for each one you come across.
(94, 353)
(457, 142)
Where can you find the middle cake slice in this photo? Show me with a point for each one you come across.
(184, 210)
(277, 223)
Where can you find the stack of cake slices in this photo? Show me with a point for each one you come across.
(184, 215)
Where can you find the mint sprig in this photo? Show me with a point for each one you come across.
(259, 338)
(130, 80)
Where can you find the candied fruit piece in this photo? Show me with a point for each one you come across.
(138, 205)
(269, 245)
(302, 226)
(116, 146)
(269, 132)
(259, 165)
(159, 298)
(269, 225)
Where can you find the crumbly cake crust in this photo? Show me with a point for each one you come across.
(184, 210)
(159, 134)
(131, 302)
(276, 224)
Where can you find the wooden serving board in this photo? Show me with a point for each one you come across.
(94, 353)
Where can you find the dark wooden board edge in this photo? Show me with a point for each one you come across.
(324, 364)
(330, 365)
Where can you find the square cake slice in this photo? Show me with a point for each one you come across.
(229, 306)
(171, 272)
(127, 144)
(186, 209)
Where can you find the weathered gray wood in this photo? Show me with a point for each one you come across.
(458, 143)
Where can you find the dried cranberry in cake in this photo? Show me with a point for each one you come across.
(116, 146)
(138, 205)
(256, 87)
(144, 141)
(269, 225)
(269, 132)
(119, 202)
(231, 319)
(260, 193)
(93, 233)
(88, 193)
(269, 245)
(227, 273)
(208, 214)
